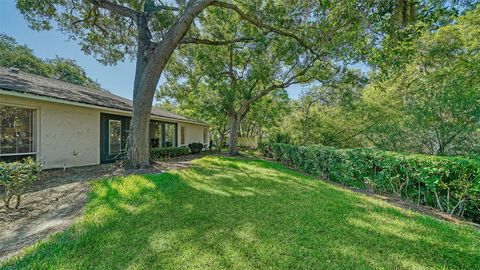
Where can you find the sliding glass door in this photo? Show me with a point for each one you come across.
(163, 134)
(17, 133)
(113, 136)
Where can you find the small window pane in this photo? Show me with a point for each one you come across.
(16, 130)
(115, 136)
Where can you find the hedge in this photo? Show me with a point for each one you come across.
(196, 147)
(449, 184)
(165, 152)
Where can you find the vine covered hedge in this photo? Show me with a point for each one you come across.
(450, 184)
(165, 152)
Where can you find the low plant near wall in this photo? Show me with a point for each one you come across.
(166, 152)
(450, 184)
(195, 147)
(16, 178)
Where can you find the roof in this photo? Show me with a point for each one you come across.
(28, 83)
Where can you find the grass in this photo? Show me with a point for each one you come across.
(232, 213)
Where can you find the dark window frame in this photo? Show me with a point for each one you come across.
(161, 125)
(33, 134)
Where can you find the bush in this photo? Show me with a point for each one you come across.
(279, 137)
(450, 184)
(195, 147)
(16, 178)
(266, 149)
(166, 152)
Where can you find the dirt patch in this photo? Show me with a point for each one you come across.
(41, 213)
(57, 199)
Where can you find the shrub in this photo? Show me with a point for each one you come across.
(450, 184)
(195, 147)
(16, 178)
(166, 152)
(279, 137)
(266, 149)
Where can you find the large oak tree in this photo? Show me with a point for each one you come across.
(151, 30)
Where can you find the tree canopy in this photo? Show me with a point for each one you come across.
(429, 105)
(340, 33)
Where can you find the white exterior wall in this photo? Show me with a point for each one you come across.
(248, 142)
(193, 133)
(69, 135)
(66, 136)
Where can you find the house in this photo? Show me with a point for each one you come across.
(66, 125)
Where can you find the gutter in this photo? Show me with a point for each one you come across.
(85, 105)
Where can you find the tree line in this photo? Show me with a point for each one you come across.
(429, 102)
(14, 55)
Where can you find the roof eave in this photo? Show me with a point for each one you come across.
(17, 93)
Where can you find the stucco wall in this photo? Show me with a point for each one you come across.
(67, 136)
(193, 134)
(248, 141)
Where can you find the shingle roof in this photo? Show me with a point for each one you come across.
(41, 86)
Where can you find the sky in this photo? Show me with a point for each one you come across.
(48, 44)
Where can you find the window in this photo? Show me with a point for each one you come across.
(115, 136)
(155, 134)
(170, 135)
(182, 135)
(162, 134)
(17, 132)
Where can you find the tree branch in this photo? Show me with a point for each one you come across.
(261, 24)
(193, 40)
(150, 8)
(274, 86)
(115, 8)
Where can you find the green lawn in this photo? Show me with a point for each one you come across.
(227, 213)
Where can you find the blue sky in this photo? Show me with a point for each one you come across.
(48, 44)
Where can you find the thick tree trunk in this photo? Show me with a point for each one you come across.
(148, 71)
(233, 141)
(138, 155)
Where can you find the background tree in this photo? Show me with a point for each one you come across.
(20, 56)
(398, 24)
(233, 78)
(264, 116)
(68, 70)
(429, 105)
(326, 113)
(434, 103)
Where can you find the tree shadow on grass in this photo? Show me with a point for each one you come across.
(227, 213)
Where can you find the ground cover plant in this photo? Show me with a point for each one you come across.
(195, 147)
(16, 178)
(450, 184)
(233, 213)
